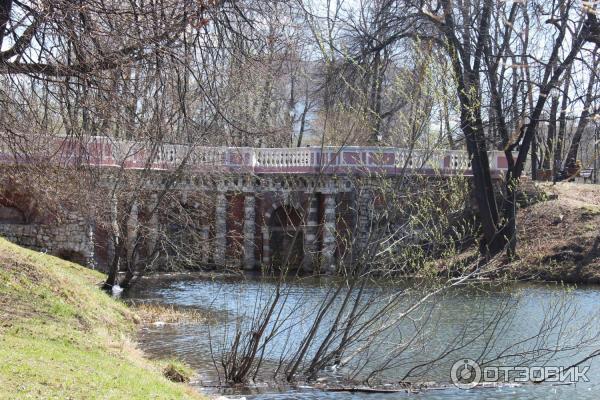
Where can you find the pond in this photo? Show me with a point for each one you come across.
(459, 313)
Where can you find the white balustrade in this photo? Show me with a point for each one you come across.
(491, 159)
(209, 156)
(435, 160)
(282, 160)
(459, 160)
(418, 159)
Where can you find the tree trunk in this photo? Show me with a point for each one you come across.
(113, 273)
(5, 7)
(534, 159)
(551, 135)
(562, 128)
(483, 186)
(583, 119)
(302, 124)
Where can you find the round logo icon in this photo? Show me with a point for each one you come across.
(465, 374)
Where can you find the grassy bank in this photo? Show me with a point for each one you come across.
(61, 337)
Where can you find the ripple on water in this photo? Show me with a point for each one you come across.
(224, 299)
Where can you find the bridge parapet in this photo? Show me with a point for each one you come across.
(104, 152)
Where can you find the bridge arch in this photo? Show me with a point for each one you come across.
(283, 234)
(11, 215)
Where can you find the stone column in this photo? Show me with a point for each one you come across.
(364, 217)
(266, 257)
(220, 229)
(329, 230)
(310, 234)
(249, 230)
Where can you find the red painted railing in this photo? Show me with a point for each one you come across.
(103, 152)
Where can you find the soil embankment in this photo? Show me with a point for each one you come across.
(559, 236)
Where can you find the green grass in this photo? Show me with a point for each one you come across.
(590, 211)
(63, 338)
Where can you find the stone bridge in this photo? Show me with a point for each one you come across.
(262, 201)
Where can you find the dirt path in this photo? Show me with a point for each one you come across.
(559, 238)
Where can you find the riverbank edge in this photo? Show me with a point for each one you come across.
(558, 235)
(62, 337)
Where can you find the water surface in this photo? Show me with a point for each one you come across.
(229, 301)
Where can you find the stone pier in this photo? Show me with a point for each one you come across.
(311, 230)
(329, 230)
(249, 231)
(220, 229)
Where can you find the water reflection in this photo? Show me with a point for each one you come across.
(231, 299)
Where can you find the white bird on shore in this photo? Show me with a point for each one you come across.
(117, 290)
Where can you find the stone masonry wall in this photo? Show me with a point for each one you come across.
(72, 240)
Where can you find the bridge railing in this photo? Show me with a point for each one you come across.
(284, 157)
(103, 152)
